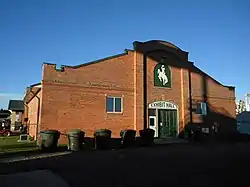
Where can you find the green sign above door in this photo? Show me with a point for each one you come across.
(162, 76)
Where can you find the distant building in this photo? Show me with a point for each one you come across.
(243, 122)
(16, 107)
(247, 102)
(240, 106)
(4, 118)
(243, 105)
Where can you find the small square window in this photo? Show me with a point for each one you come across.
(114, 104)
(201, 108)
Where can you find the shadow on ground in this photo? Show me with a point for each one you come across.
(173, 165)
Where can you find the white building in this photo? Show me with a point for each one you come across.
(247, 102)
(243, 122)
(243, 115)
(240, 106)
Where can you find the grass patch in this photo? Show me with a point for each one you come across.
(11, 144)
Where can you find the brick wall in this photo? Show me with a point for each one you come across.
(178, 91)
(220, 101)
(75, 97)
(32, 108)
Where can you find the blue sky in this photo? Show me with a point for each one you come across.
(216, 33)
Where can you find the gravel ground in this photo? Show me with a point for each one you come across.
(172, 165)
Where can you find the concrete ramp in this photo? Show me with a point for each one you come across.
(167, 141)
(39, 178)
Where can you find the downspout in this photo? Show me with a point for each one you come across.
(145, 106)
(38, 115)
(190, 97)
(26, 104)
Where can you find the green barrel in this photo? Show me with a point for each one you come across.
(75, 139)
(49, 139)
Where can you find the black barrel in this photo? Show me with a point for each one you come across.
(102, 138)
(147, 137)
(127, 137)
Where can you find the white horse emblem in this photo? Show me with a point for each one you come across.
(162, 75)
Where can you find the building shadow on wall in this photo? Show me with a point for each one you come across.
(225, 122)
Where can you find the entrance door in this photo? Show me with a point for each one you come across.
(152, 124)
(167, 121)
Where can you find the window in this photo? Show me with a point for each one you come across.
(163, 59)
(151, 122)
(201, 108)
(114, 104)
(17, 117)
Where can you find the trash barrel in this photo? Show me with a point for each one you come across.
(75, 139)
(198, 136)
(127, 137)
(102, 138)
(147, 137)
(49, 139)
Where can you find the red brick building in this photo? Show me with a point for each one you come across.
(110, 93)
